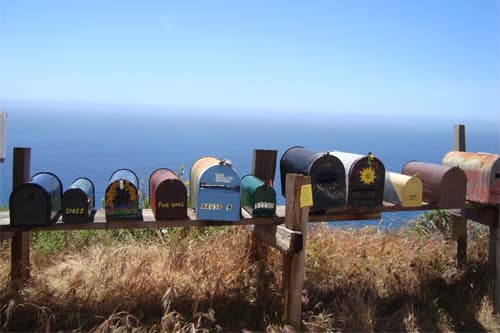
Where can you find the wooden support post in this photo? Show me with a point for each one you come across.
(459, 223)
(494, 262)
(296, 218)
(20, 249)
(264, 168)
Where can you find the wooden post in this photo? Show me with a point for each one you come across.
(264, 168)
(20, 249)
(296, 218)
(494, 263)
(459, 223)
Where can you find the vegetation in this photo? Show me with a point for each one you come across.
(206, 280)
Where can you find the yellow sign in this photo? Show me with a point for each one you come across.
(306, 196)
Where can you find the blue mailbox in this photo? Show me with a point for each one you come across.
(215, 190)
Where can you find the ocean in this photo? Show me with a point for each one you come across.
(93, 141)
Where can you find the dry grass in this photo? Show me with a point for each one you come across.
(358, 280)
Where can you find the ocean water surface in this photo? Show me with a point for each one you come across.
(81, 142)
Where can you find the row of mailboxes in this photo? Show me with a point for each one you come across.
(338, 179)
(217, 193)
(41, 201)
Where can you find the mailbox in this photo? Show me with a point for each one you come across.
(122, 197)
(327, 176)
(443, 185)
(215, 190)
(483, 175)
(257, 198)
(403, 190)
(365, 179)
(36, 203)
(167, 195)
(78, 201)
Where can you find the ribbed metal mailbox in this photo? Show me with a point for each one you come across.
(365, 179)
(38, 202)
(327, 176)
(257, 198)
(215, 190)
(78, 201)
(443, 185)
(483, 175)
(167, 195)
(403, 190)
(122, 197)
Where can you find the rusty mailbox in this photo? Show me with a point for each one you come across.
(443, 185)
(257, 198)
(403, 190)
(122, 197)
(215, 190)
(36, 203)
(483, 175)
(78, 201)
(365, 179)
(167, 195)
(327, 176)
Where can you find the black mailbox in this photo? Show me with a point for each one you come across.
(122, 196)
(78, 201)
(36, 203)
(365, 177)
(327, 176)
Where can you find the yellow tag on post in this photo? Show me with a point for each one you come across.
(306, 196)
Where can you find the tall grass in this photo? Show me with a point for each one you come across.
(206, 280)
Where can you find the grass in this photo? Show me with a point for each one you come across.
(203, 280)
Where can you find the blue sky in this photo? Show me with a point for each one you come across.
(426, 57)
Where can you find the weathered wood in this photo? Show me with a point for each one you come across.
(459, 223)
(486, 215)
(294, 264)
(280, 237)
(264, 168)
(264, 164)
(494, 262)
(20, 246)
(459, 234)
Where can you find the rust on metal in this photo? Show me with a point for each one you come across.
(483, 175)
(444, 185)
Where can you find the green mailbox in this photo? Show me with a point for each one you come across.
(257, 198)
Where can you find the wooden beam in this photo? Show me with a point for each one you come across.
(294, 264)
(20, 246)
(280, 237)
(264, 164)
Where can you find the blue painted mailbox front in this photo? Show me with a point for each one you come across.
(215, 190)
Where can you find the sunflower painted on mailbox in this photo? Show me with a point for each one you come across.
(215, 190)
(257, 198)
(365, 179)
(122, 197)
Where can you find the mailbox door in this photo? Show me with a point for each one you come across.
(218, 204)
(403, 190)
(76, 206)
(328, 182)
(122, 200)
(171, 200)
(29, 205)
(264, 200)
(366, 183)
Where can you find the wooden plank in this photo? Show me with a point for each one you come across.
(459, 223)
(20, 246)
(280, 237)
(294, 264)
(264, 164)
